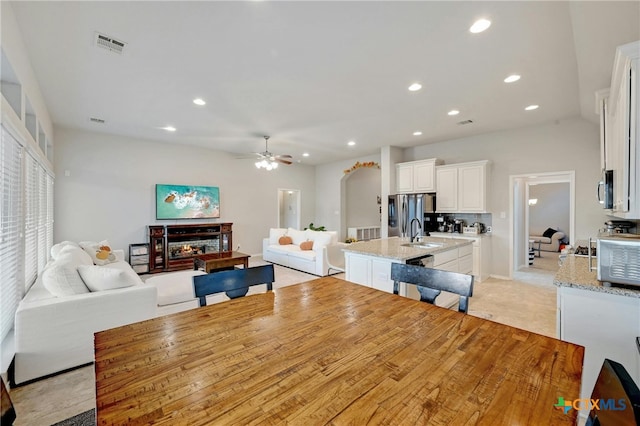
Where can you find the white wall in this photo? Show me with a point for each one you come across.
(362, 192)
(563, 145)
(109, 193)
(330, 180)
(552, 208)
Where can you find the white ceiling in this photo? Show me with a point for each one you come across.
(315, 75)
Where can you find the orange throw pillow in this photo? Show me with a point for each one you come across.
(284, 240)
(306, 245)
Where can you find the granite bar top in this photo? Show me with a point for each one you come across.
(392, 248)
(575, 273)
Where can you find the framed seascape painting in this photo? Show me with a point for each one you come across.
(187, 202)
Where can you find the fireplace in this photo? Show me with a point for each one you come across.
(188, 249)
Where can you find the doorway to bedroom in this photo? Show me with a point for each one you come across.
(543, 218)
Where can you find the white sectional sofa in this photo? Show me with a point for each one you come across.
(71, 300)
(313, 261)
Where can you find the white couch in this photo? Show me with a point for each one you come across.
(314, 261)
(56, 320)
(548, 243)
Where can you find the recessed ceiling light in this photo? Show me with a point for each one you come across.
(306, 154)
(169, 128)
(480, 25)
(199, 102)
(351, 143)
(418, 133)
(531, 107)
(453, 112)
(415, 87)
(512, 78)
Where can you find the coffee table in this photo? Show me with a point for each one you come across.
(219, 261)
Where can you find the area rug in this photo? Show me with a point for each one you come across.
(88, 418)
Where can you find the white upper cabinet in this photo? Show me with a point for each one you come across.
(447, 189)
(462, 188)
(416, 176)
(621, 132)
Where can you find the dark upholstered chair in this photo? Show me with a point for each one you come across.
(430, 282)
(235, 283)
(618, 395)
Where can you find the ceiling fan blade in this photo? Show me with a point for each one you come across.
(284, 156)
(283, 161)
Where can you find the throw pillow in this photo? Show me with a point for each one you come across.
(63, 280)
(100, 278)
(549, 232)
(285, 240)
(100, 253)
(57, 248)
(306, 245)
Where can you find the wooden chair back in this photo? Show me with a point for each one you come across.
(234, 283)
(431, 282)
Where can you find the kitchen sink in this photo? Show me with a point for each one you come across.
(423, 244)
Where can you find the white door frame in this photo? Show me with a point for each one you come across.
(518, 202)
(281, 193)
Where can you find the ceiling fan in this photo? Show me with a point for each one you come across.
(268, 160)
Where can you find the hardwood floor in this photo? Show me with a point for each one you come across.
(528, 303)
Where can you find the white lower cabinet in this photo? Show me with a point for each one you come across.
(606, 325)
(369, 271)
(480, 258)
(375, 272)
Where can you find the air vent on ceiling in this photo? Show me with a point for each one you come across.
(96, 120)
(463, 122)
(109, 43)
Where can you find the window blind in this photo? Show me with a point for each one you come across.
(31, 220)
(11, 283)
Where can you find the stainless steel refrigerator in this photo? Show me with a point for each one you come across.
(404, 208)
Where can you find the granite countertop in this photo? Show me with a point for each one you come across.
(392, 248)
(574, 272)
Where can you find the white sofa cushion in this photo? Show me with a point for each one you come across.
(175, 287)
(275, 234)
(284, 249)
(309, 255)
(297, 236)
(319, 238)
(62, 279)
(100, 278)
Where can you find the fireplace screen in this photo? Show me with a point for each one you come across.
(182, 249)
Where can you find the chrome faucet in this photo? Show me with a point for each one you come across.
(415, 219)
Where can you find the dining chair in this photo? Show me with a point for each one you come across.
(234, 283)
(431, 282)
(617, 395)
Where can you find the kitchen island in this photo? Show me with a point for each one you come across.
(605, 320)
(369, 262)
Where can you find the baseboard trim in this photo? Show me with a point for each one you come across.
(500, 277)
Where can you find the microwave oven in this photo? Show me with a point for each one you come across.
(605, 190)
(618, 260)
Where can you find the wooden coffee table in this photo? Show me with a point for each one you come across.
(217, 261)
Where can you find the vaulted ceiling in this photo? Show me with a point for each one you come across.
(316, 75)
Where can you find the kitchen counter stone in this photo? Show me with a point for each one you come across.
(392, 248)
(574, 272)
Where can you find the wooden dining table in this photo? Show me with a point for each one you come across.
(328, 351)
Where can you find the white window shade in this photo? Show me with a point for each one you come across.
(11, 283)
